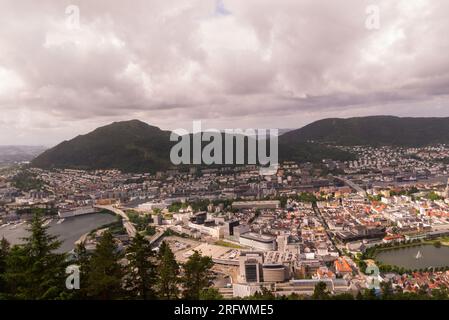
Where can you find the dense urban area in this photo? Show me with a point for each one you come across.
(373, 228)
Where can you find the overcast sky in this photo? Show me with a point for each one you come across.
(230, 63)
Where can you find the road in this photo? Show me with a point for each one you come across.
(156, 237)
(326, 226)
(129, 227)
(352, 185)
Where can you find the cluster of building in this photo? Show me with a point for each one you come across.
(419, 281)
(258, 228)
(396, 164)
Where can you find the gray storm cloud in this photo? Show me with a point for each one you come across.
(230, 63)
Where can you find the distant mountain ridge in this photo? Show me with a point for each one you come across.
(374, 131)
(13, 154)
(134, 146)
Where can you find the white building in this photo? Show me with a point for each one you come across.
(216, 231)
(76, 211)
(150, 206)
(258, 241)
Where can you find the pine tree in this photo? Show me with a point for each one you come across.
(211, 294)
(105, 273)
(320, 292)
(16, 273)
(35, 270)
(196, 275)
(387, 290)
(369, 294)
(141, 269)
(82, 259)
(168, 272)
(4, 252)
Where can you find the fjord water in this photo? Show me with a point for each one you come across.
(68, 232)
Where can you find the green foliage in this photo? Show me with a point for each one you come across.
(131, 146)
(168, 272)
(199, 205)
(26, 180)
(227, 244)
(82, 260)
(150, 231)
(34, 270)
(374, 131)
(386, 293)
(171, 232)
(134, 146)
(141, 221)
(105, 273)
(321, 292)
(4, 252)
(343, 296)
(362, 265)
(305, 197)
(210, 294)
(412, 190)
(196, 275)
(176, 206)
(387, 290)
(368, 294)
(294, 296)
(292, 149)
(377, 197)
(263, 294)
(433, 196)
(141, 269)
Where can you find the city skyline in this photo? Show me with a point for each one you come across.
(223, 158)
(230, 64)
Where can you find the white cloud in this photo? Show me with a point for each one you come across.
(231, 63)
